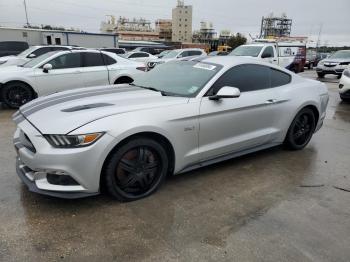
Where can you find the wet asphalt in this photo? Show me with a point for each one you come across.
(274, 205)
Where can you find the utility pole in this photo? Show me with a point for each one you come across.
(25, 10)
(319, 38)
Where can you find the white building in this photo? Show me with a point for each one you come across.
(182, 22)
(53, 37)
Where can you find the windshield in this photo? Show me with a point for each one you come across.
(247, 50)
(26, 52)
(341, 54)
(179, 78)
(38, 60)
(171, 54)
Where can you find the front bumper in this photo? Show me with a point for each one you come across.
(38, 161)
(28, 178)
(332, 70)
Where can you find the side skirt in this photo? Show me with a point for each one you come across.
(226, 157)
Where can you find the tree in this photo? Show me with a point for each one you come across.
(237, 40)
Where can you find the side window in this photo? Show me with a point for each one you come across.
(245, 77)
(279, 78)
(184, 54)
(194, 53)
(138, 55)
(58, 48)
(108, 60)
(71, 60)
(41, 51)
(268, 52)
(92, 59)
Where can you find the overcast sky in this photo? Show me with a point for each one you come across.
(236, 15)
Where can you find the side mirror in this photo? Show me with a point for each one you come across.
(266, 56)
(47, 68)
(226, 92)
(31, 56)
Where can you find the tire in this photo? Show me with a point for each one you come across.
(125, 176)
(347, 100)
(16, 94)
(301, 130)
(123, 80)
(320, 75)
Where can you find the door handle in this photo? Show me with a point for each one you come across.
(271, 101)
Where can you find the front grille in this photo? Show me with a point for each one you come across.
(329, 65)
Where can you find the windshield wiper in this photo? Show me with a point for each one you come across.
(153, 89)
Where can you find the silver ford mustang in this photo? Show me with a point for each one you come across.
(180, 116)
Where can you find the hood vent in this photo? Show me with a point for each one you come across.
(85, 107)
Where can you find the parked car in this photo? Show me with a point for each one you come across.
(180, 116)
(117, 51)
(218, 53)
(290, 55)
(344, 85)
(58, 71)
(334, 65)
(177, 54)
(162, 54)
(30, 53)
(151, 50)
(8, 48)
(313, 58)
(140, 56)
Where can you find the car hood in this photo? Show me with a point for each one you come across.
(12, 60)
(13, 69)
(336, 60)
(63, 112)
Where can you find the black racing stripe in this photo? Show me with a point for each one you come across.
(72, 98)
(49, 99)
(60, 97)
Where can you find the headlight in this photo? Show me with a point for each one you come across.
(73, 141)
(347, 72)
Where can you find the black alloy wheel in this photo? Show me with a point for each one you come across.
(136, 170)
(301, 130)
(16, 94)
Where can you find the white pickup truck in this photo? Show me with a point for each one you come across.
(290, 55)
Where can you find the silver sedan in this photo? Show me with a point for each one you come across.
(178, 117)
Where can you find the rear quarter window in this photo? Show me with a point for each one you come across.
(279, 78)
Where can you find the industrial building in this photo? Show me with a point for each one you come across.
(273, 26)
(182, 22)
(165, 30)
(136, 29)
(54, 37)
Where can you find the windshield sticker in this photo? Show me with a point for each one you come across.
(205, 66)
(193, 89)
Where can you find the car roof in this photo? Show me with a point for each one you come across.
(188, 49)
(137, 52)
(230, 61)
